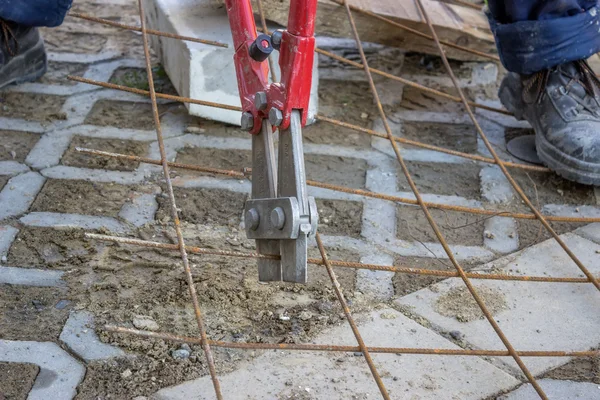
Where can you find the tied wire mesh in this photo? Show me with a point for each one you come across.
(324, 260)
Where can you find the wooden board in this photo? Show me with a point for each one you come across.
(457, 24)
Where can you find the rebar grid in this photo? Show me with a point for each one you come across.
(337, 263)
(206, 343)
(353, 349)
(429, 217)
(246, 173)
(500, 163)
(174, 213)
(407, 82)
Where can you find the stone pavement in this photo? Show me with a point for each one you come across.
(41, 177)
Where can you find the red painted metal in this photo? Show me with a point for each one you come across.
(295, 60)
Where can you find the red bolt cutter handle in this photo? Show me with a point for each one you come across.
(295, 60)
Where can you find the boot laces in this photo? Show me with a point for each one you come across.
(584, 77)
(8, 36)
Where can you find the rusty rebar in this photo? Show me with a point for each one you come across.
(428, 215)
(150, 31)
(343, 189)
(500, 163)
(348, 349)
(337, 263)
(174, 213)
(361, 344)
(347, 61)
(147, 93)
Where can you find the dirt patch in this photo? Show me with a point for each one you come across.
(81, 197)
(459, 303)
(532, 232)
(344, 171)
(29, 313)
(74, 158)
(17, 380)
(424, 64)
(338, 217)
(214, 158)
(408, 283)
(58, 71)
(54, 248)
(236, 307)
(15, 146)
(124, 114)
(212, 128)
(447, 179)
(548, 188)
(417, 100)
(347, 101)
(203, 206)
(3, 181)
(60, 41)
(450, 136)
(32, 106)
(457, 227)
(138, 79)
(585, 369)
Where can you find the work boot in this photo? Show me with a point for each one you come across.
(22, 54)
(562, 105)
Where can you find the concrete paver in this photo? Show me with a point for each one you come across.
(537, 316)
(556, 389)
(79, 335)
(18, 194)
(343, 376)
(59, 372)
(31, 277)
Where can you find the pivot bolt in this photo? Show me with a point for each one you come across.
(275, 117)
(276, 38)
(252, 219)
(247, 121)
(260, 101)
(278, 218)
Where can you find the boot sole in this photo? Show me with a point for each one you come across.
(33, 62)
(563, 164)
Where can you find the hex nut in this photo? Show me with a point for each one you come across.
(247, 121)
(275, 117)
(260, 101)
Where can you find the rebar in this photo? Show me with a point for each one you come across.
(429, 217)
(348, 349)
(174, 212)
(338, 263)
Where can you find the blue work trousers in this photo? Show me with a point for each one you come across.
(533, 35)
(35, 12)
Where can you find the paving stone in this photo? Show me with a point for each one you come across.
(495, 188)
(59, 372)
(31, 276)
(7, 236)
(536, 316)
(96, 175)
(58, 220)
(12, 168)
(556, 389)
(140, 210)
(501, 235)
(18, 194)
(376, 284)
(590, 232)
(79, 335)
(322, 376)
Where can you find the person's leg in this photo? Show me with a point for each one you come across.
(22, 54)
(544, 43)
(35, 12)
